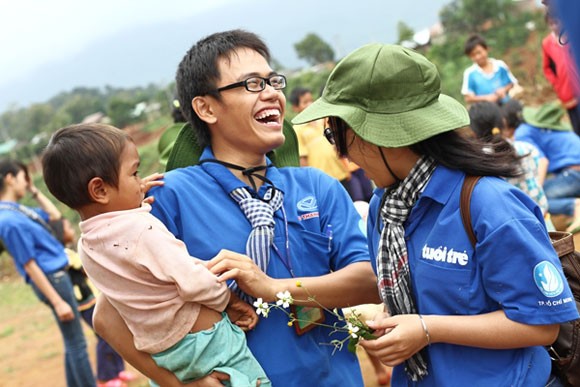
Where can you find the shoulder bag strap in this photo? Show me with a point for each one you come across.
(465, 205)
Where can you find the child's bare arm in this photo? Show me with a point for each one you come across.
(241, 313)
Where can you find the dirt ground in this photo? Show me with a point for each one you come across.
(31, 350)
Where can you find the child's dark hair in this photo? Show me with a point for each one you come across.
(486, 120)
(474, 41)
(488, 124)
(78, 153)
(11, 167)
(512, 112)
(296, 93)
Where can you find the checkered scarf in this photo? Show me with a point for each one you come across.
(260, 214)
(393, 265)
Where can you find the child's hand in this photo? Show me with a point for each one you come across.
(241, 313)
(152, 180)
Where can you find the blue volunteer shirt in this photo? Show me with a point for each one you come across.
(477, 82)
(26, 239)
(514, 268)
(560, 147)
(195, 207)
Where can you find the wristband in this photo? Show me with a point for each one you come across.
(35, 194)
(425, 329)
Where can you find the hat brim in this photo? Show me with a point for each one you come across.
(530, 113)
(186, 150)
(393, 129)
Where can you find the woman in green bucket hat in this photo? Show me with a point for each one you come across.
(455, 314)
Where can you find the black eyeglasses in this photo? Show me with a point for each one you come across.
(257, 84)
(329, 135)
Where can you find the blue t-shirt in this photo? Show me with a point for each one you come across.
(477, 82)
(560, 147)
(508, 270)
(195, 207)
(26, 239)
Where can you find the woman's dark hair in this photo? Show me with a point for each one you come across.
(472, 156)
(198, 72)
(452, 150)
(11, 167)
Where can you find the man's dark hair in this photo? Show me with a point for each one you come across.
(11, 167)
(78, 153)
(198, 72)
(474, 41)
(296, 93)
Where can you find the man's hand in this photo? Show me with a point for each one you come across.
(228, 265)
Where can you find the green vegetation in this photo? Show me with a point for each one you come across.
(503, 27)
(314, 50)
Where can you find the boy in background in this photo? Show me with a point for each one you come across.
(173, 305)
(488, 79)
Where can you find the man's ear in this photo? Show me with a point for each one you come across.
(98, 190)
(203, 107)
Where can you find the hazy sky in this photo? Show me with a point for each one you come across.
(50, 46)
(35, 32)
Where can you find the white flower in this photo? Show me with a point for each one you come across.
(261, 307)
(284, 299)
(352, 330)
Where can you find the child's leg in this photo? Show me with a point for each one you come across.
(222, 348)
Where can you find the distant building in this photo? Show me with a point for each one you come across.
(6, 147)
(96, 118)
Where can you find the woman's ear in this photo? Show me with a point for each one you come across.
(202, 106)
(98, 191)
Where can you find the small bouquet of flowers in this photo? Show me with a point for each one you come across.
(351, 324)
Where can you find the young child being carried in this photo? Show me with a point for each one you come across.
(172, 304)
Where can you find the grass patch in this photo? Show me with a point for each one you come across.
(8, 331)
(16, 296)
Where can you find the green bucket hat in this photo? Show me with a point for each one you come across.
(389, 95)
(548, 116)
(186, 151)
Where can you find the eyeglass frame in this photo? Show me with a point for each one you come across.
(244, 83)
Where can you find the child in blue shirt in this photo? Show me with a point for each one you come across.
(488, 79)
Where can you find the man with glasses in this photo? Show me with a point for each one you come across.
(268, 228)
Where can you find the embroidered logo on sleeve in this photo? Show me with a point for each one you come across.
(309, 206)
(548, 279)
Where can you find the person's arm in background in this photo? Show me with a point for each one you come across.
(548, 64)
(110, 326)
(542, 170)
(62, 308)
(44, 202)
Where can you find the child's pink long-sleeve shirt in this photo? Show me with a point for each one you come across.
(148, 276)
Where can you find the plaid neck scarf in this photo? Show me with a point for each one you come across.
(393, 265)
(260, 214)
